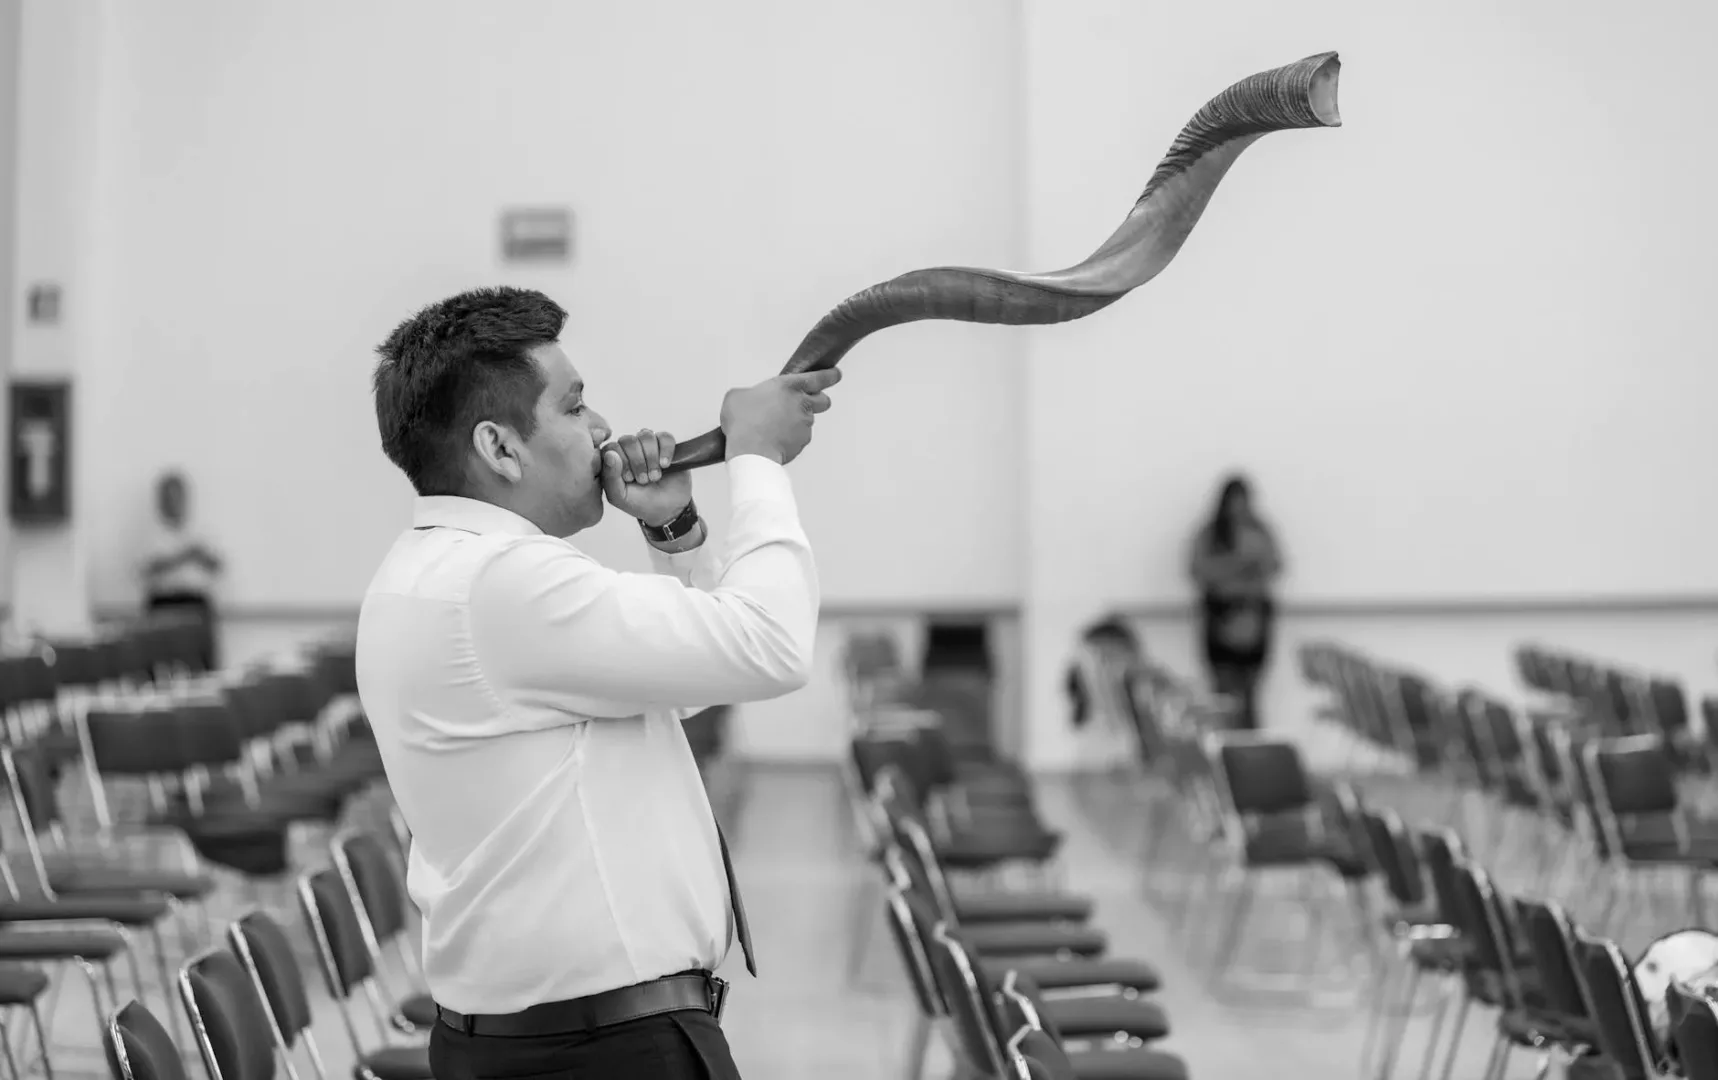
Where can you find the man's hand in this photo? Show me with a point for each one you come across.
(773, 419)
(632, 477)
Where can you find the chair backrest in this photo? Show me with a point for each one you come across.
(267, 954)
(1550, 942)
(1697, 1039)
(345, 960)
(1442, 848)
(133, 742)
(138, 1046)
(1479, 920)
(1261, 776)
(1633, 776)
(1619, 1014)
(1669, 705)
(1036, 1056)
(912, 953)
(368, 871)
(233, 1026)
(1395, 857)
(917, 852)
(209, 734)
(971, 1009)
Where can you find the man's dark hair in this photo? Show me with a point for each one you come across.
(453, 365)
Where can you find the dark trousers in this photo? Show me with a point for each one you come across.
(1237, 671)
(673, 1046)
(1241, 682)
(191, 604)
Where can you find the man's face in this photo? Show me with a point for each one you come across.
(563, 474)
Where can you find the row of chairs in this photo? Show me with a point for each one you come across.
(1626, 701)
(1016, 978)
(97, 878)
(1554, 792)
(1582, 786)
(249, 1000)
(1558, 990)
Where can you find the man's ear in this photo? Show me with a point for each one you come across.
(498, 449)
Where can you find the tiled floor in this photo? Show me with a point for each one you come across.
(801, 1021)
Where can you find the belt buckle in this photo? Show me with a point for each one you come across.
(717, 988)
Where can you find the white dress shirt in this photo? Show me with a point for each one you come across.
(528, 705)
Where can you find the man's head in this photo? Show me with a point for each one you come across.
(171, 497)
(475, 397)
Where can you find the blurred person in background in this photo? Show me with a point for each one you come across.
(180, 569)
(1235, 566)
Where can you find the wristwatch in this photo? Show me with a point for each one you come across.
(680, 527)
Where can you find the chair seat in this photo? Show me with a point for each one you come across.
(284, 797)
(1132, 1064)
(395, 1063)
(1053, 974)
(133, 911)
(975, 851)
(87, 878)
(1292, 841)
(1441, 953)
(97, 943)
(1655, 841)
(1021, 907)
(419, 1010)
(20, 984)
(254, 843)
(993, 940)
(1102, 1017)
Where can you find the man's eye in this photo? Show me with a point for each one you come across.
(577, 409)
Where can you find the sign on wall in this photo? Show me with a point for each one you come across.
(536, 234)
(39, 471)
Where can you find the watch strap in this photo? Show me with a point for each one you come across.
(681, 526)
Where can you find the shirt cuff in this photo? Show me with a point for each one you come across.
(754, 478)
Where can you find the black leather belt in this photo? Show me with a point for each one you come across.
(699, 990)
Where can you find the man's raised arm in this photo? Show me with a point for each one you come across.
(563, 631)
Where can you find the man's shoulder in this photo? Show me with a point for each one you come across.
(448, 564)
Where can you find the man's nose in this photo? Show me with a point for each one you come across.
(599, 430)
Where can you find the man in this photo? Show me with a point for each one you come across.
(179, 572)
(575, 891)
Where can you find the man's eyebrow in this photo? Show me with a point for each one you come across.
(576, 390)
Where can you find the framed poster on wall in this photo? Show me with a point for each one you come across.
(39, 471)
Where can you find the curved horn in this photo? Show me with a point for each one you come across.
(1298, 95)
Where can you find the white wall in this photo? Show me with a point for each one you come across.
(58, 193)
(1459, 342)
(288, 191)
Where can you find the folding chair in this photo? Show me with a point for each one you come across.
(138, 1047)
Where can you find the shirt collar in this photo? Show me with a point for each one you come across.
(472, 515)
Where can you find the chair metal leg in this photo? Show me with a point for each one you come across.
(1434, 1037)
(1388, 971)
(867, 909)
(1395, 1032)
(1460, 1029)
(1497, 1066)
(918, 1046)
(1240, 906)
(6, 1050)
(42, 1038)
(1545, 1060)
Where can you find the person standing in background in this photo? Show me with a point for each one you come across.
(179, 573)
(1235, 565)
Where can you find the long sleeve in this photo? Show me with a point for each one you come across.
(562, 631)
